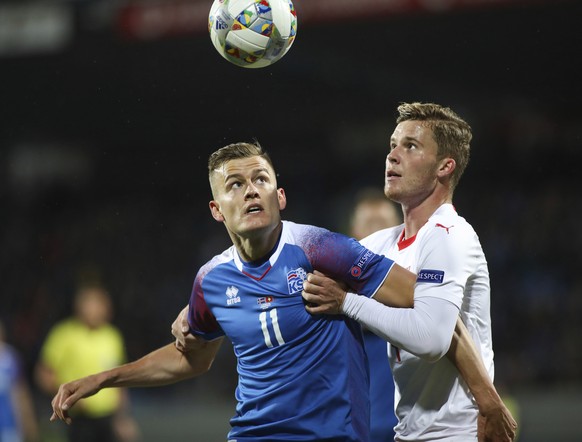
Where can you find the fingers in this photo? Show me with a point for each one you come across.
(180, 326)
(314, 309)
(60, 408)
(318, 283)
(496, 428)
(481, 427)
(310, 300)
(184, 320)
(316, 304)
(322, 295)
(179, 345)
(66, 397)
(315, 284)
(189, 342)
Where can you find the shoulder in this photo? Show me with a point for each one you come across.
(447, 223)
(448, 234)
(65, 327)
(62, 334)
(308, 237)
(217, 260)
(300, 233)
(380, 240)
(111, 331)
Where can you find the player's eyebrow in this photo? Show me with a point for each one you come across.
(408, 139)
(254, 172)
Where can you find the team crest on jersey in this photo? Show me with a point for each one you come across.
(265, 302)
(295, 280)
(232, 295)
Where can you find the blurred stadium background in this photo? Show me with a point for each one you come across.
(109, 109)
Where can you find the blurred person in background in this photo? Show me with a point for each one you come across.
(86, 343)
(17, 415)
(371, 212)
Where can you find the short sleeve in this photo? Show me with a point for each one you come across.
(200, 319)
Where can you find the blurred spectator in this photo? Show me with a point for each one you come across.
(17, 416)
(372, 211)
(81, 345)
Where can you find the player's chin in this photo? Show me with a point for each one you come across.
(258, 224)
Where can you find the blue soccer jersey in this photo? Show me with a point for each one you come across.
(10, 374)
(301, 376)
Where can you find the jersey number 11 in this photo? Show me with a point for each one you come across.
(275, 324)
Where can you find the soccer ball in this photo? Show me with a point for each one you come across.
(252, 33)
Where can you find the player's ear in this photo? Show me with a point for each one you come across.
(446, 167)
(215, 211)
(282, 198)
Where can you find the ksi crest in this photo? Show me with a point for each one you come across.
(295, 280)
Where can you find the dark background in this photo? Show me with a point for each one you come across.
(103, 150)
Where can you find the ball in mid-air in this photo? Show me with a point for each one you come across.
(252, 33)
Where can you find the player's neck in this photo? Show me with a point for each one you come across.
(258, 246)
(416, 215)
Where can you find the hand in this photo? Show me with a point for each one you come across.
(323, 295)
(181, 331)
(496, 425)
(69, 394)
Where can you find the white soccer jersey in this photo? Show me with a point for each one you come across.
(432, 401)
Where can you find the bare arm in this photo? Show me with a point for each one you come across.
(496, 424)
(425, 330)
(325, 295)
(160, 367)
(398, 288)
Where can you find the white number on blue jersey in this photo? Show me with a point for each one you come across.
(275, 324)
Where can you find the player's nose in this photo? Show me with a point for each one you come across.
(251, 191)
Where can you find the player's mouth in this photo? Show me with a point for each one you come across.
(254, 208)
(390, 174)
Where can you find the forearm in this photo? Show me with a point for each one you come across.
(464, 355)
(398, 288)
(424, 331)
(164, 366)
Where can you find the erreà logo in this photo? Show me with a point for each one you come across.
(232, 295)
(434, 276)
